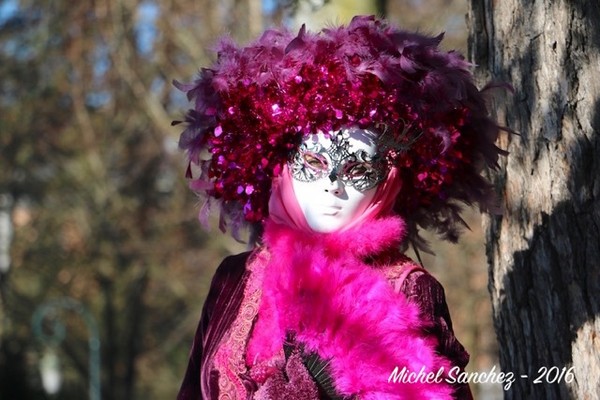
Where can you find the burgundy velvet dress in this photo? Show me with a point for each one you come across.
(226, 296)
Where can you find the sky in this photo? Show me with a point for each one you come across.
(7, 9)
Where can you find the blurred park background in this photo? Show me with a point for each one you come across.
(93, 202)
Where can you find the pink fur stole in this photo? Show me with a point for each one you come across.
(319, 287)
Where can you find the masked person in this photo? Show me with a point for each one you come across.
(334, 146)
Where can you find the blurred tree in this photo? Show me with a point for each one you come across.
(544, 251)
(87, 156)
(433, 17)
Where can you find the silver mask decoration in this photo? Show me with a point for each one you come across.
(357, 169)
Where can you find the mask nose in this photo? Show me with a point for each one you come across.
(333, 176)
(335, 185)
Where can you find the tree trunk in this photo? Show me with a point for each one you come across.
(544, 250)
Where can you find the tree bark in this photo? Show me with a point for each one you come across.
(544, 251)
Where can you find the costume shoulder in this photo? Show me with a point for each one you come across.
(218, 311)
(231, 266)
(424, 289)
(418, 285)
(397, 268)
(227, 275)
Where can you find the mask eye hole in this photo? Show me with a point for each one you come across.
(315, 161)
(356, 169)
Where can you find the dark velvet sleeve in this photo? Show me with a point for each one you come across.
(219, 311)
(428, 293)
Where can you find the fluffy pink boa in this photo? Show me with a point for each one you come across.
(318, 286)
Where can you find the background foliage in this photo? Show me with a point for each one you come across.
(92, 181)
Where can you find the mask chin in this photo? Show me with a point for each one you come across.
(332, 219)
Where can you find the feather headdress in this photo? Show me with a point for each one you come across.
(254, 105)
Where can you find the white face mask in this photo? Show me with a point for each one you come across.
(336, 178)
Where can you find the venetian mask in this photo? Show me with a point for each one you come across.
(335, 177)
